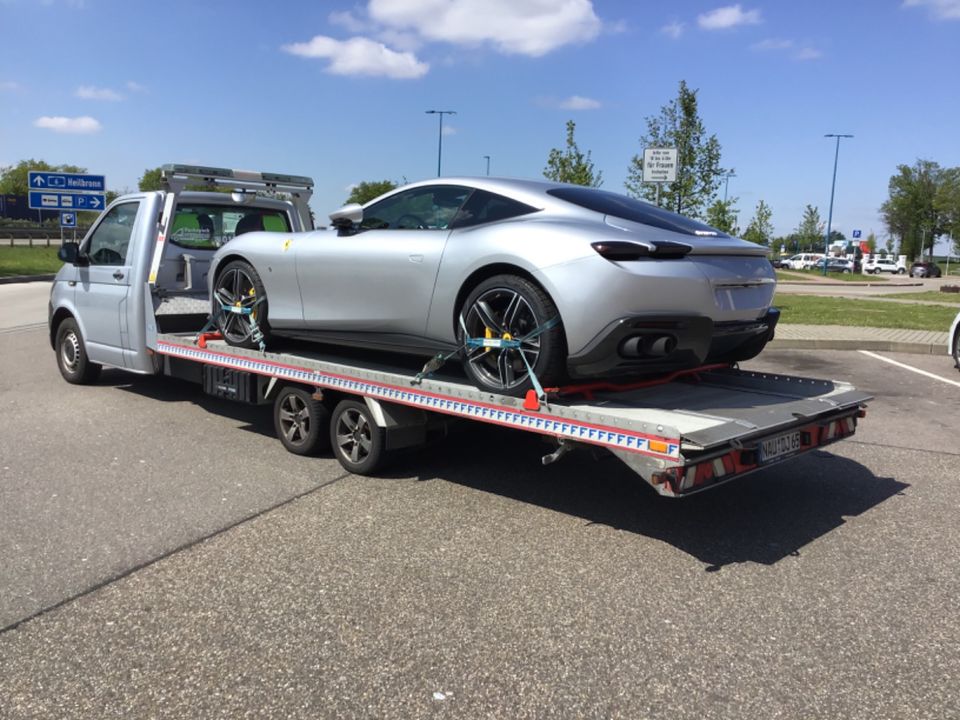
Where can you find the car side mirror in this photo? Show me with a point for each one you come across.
(347, 217)
(69, 252)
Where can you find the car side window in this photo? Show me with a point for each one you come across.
(484, 207)
(109, 243)
(424, 208)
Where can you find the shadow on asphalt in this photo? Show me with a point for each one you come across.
(761, 518)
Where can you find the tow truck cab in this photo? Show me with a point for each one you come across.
(143, 264)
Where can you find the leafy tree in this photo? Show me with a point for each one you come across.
(871, 243)
(150, 180)
(760, 228)
(810, 230)
(947, 204)
(367, 190)
(698, 157)
(722, 216)
(14, 181)
(911, 212)
(571, 165)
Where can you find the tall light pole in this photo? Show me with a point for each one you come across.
(441, 113)
(487, 158)
(833, 186)
(726, 184)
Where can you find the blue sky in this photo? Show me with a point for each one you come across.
(338, 90)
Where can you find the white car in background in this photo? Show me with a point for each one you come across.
(804, 261)
(879, 265)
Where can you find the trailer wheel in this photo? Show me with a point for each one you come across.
(302, 422)
(72, 359)
(358, 442)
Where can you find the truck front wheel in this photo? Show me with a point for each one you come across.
(72, 359)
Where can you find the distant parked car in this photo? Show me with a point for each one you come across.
(925, 270)
(839, 265)
(879, 265)
(803, 261)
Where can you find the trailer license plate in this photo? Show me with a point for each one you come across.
(778, 446)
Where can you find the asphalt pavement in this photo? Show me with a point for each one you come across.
(164, 557)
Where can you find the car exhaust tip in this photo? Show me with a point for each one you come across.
(648, 346)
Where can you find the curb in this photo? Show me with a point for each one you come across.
(873, 345)
(25, 279)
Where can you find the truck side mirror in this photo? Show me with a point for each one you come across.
(69, 252)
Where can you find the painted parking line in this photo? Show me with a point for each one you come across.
(910, 368)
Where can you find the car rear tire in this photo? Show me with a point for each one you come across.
(359, 444)
(239, 286)
(72, 359)
(301, 421)
(900, 271)
(510, 307)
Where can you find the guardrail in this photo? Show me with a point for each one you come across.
(38, 236)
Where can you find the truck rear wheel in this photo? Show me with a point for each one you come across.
(72, 359)
(302, 422)
(358, 442)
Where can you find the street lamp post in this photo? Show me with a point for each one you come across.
(487, 158)
(441, 113)
(726, 184)
(833, 186)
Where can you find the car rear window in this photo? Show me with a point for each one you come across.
(634, 210)
(208, 226)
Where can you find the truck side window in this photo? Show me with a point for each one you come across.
(109, 242)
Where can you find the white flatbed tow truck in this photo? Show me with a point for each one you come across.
(682, 434)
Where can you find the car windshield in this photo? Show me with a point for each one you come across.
(634, 210)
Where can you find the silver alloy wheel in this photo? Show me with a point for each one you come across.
(502, 313)
(354, 435)
(235, 288)
(294, 419)
(70, 350)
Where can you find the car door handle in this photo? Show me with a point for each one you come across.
(118, 275)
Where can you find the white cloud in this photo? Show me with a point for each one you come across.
(136, 87)
(360, 56)
(673, 30)
(89, 92)
(577, 102)
(940, 9)
(449, 130)
(9, 85)
(808, 53)
(83, 125)
(346, 19)
(728, 17)
(773, 44)
(513, 27)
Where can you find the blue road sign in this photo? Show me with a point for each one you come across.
(68, 220)
(66, 182)
(66, 201)
(856, 233)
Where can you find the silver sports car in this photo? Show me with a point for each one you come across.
(522, 276)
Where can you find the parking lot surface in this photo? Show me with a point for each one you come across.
(164, 557)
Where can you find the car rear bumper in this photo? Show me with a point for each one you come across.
(641, 344)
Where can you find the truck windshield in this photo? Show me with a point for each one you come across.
(207, 227)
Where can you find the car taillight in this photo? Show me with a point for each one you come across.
(620, 250)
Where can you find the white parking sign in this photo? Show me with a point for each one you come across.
(659, 164)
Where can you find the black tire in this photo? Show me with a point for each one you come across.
(515, 307)
(956, 349)
(301, 421)
(900, 271)
(72, 359)
(359, 444)
(239, 285)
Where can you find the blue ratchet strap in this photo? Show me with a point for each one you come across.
(255, 333)
(439, 359)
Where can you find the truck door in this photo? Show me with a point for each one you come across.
(103, 285)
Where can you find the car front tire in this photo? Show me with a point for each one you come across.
(510, 307)
(238, 286)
